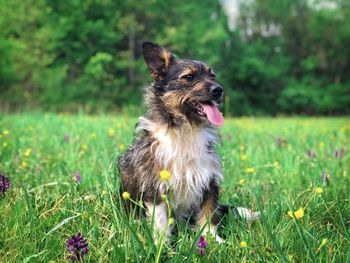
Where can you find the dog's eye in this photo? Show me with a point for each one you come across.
(212, 75)
(188, 77)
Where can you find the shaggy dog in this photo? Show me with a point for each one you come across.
(178, 134)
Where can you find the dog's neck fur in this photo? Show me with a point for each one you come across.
(188, 153)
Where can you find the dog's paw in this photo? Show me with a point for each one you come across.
(247, 214)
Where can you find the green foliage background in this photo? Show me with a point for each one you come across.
(288, 56)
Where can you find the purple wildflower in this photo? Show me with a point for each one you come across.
(77, 177)
(4, 184)
(66, 138)
(281, 142)
(201, 245)
(325, 177)
(336, 154)
(311, 154)
(229, 137)
(342, 151)
(78, 246)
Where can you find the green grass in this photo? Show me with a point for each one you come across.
(44, 206)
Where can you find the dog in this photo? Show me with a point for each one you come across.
(178, 134)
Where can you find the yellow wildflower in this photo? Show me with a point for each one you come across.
(5, 132)
(27, 152)
(299, 214)
(321, 144)
(319, 190)
(164, 175)
(121, 146)
(324, 242)
(243, 156)
(4, 144)
(242, 147)
(84, 147)
(276, 164)
(126, 195)
(24, 164)
(93, 135)
(243, 244)
(111, 132)
(249, 170)
(171, 221)
(241, 182)
(103, 192)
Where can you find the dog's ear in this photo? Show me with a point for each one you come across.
(158, 59)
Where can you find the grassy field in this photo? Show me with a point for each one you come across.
(271, 165)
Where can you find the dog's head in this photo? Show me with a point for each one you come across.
(186, 87)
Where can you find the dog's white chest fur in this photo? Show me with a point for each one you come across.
(192, 164)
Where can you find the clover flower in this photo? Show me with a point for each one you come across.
(77, 177)
(311, 154)
(201, 245)
(66, 138)
(78, 246)
(325, 177)
(4, 184)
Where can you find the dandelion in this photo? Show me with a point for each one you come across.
(201, 245)
(241, 182)
(77, 177)
(319, 190)
(299, 214)
(324, 242)
(126, 195)
(242, 147)
(84, 147)
(93, 135)
(27, 152)
(311, 154)
(24, 164)
(276, 164)
(321, 144)
(121, 146)
(4, 184)
(164, 175)
(5, 132)
(103, 192)
(243, 156)
(249, 170)
(111, 132)
(243, 244)
(78, 246)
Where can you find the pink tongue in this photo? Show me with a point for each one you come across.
(213, 114)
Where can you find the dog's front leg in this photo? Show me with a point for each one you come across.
(158, 213)
(208, 218)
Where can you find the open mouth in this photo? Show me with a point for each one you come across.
(211, 111)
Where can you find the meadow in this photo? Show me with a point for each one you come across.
(64, 180)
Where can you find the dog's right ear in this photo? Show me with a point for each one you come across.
(158, 59)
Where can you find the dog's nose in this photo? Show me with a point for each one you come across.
(217, 91)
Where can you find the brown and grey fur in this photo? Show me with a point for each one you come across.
(174, 136)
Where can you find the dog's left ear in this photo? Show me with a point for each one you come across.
(158, 59)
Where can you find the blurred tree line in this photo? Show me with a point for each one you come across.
(286, 56)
